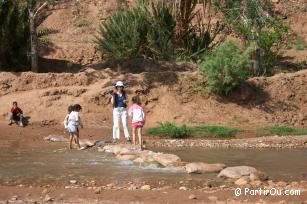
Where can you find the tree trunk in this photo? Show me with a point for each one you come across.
(33, 36)
(257, 58)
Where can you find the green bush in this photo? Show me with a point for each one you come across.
(146, 31)
(270, 43)
(281, 130)
(226, 67)
(122, 35)
(170, 129)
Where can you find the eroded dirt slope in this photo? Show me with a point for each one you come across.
(166, 96)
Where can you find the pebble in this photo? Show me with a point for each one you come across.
(97, 190)
(192, 196)
(73, 181)
(183, 188)
(110, 185)
(15, 197)
(48, 198)
(146, 187)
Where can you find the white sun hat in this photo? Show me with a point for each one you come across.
(119, 83)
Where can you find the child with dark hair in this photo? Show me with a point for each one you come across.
(16, 114)
(137, 114)
(74, 121)
(69, 110)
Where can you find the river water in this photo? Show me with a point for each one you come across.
(58, 167)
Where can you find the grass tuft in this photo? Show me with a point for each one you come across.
(281, 131)
(172, 130)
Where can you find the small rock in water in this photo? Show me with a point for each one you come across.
(110, 185)
(73, 181)
(15, 197)
(48, 198)
(146, 187)
(236, 171)
(97, 190)
(183, 188)
(192, 196)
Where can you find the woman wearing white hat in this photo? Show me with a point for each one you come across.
(119, 102)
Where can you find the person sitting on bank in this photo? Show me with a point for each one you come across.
(16, 115)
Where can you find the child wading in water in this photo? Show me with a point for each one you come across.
(137, 114)
(69, 110)
(74, 122)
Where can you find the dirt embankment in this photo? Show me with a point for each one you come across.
(166, 96)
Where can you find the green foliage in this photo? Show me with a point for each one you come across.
(170, 129)
(138, 32)
(251, 20)
(161, 32)
(271, 42)
(281, 130)
(14, 35)
(155, 30)
(175, 131)
(226, 67)
(122, 36)
(215, 131)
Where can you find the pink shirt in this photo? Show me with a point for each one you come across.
(137, 113)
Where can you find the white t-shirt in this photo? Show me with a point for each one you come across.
(74, 118)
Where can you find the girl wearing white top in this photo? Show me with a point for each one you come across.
(74, 122)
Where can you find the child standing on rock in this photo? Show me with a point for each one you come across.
(137, 114)
(74, 121)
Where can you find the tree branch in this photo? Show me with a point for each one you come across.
(40, 8)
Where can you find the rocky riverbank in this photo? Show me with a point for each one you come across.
(246, 143)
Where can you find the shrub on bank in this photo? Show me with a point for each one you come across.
(226, 67)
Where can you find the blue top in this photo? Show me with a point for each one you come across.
(120, 101)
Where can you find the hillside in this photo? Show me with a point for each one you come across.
(170, 92)
(76, 25)
(166, 95)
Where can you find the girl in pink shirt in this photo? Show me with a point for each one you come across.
(137, 114)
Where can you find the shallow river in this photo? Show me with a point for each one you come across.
(59, 166)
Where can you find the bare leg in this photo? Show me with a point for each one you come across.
(140, 137)
(77, 139)
(71, 137)
(133, 136)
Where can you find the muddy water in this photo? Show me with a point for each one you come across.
(58, 167)
(285, 164)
